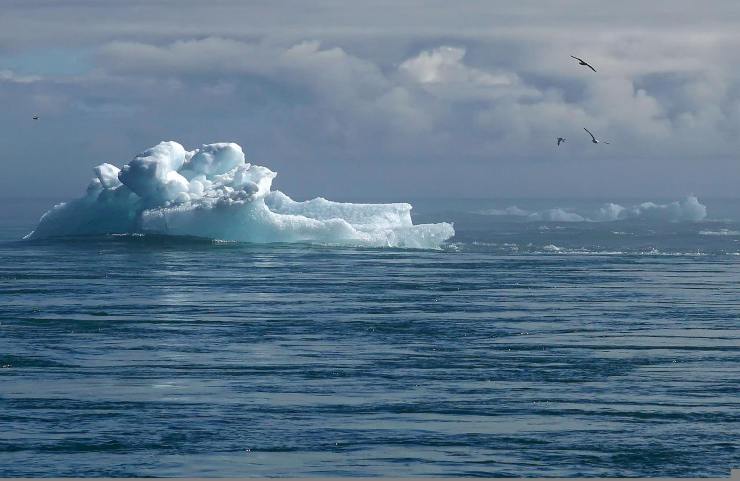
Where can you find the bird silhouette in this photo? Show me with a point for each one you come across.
(594, 139)
(584, 63)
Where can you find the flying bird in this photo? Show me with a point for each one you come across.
(594, 139)
(561, 140)
(35, 117)
(584, 63)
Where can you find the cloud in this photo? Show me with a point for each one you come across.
(443, 73)
(360, 91)
(444, 65)
(10, 76)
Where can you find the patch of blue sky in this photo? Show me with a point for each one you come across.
(49, 62)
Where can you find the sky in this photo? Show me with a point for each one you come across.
(382, 100)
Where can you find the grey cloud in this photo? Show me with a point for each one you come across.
(10, 76)
(348, 97)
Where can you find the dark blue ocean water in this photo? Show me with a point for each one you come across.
(523, 348)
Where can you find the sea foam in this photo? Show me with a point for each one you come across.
(212, 192)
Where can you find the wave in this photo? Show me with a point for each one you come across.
(530, 249)
(213, 193)
(686, 210)
(553, 249)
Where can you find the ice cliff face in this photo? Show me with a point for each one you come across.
(213, 192)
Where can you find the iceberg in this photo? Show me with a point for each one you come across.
(686, 210)
(212, 192)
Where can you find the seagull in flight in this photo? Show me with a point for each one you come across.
(583, 62)
(594, 139)
(560, 140)
(35, 117)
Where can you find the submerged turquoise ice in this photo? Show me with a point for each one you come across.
(524, 346)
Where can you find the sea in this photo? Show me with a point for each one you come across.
(531, 344)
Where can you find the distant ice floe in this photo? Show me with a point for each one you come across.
(720, 232)
(686, 210)
(212, 192)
